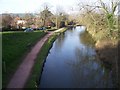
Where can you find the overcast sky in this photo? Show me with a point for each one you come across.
(22, 6)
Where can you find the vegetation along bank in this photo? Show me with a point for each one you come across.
(104, 29)
(34, 78)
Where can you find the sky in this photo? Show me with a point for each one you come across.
(22, 6)
(33, 6)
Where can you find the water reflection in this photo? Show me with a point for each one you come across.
(86, 39)
(87, 71)
(59, 42)
(72, 63)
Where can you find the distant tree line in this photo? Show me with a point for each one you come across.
(42, 19)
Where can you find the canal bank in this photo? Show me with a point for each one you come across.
(107, 52)
(33, 80)
(72, 63)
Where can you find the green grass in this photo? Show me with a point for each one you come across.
(33, 80)
(63, 30)
(15, 46)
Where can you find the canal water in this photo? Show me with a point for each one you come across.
(72, 63)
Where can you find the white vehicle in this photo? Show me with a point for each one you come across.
(23, 27)
(29, 30)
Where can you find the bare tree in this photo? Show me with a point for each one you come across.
(30, 19)
(108, 12)
(61, 17)
(46, 13)
(6, 20)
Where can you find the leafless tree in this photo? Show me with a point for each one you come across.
(46, 13)
(61, 17)
(107, 10)
(6, 20)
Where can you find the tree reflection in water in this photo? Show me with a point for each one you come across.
(87, 70)
(72, 63)
(59, 42)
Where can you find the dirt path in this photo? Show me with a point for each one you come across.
(21, 75)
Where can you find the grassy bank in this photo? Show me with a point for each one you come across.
(61, 30)
(106, 39)
(106, 49)
(15, 45)
(37, 69)
(106, 45)
(34, 78)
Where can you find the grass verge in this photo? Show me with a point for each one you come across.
(33, 80)
(15, 45)
(35, 76)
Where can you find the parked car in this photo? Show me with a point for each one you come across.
(29, 30)
(23, 27)
(42, 28)
(48, 27)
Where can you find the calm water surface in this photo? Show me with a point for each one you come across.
(71, 63)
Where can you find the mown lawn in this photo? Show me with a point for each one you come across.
(15, 46)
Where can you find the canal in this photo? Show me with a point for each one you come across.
(72, 63)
